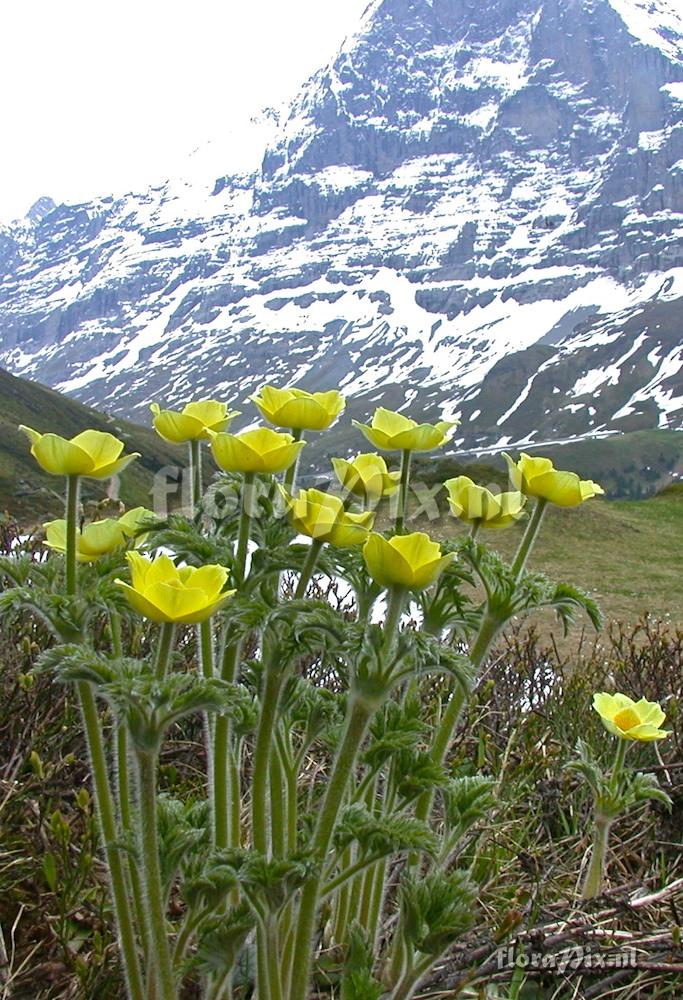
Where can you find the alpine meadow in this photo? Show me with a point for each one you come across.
(342, 531)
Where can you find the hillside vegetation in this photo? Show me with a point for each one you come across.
(29, 494)
(628, 554)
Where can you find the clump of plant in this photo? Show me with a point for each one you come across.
(333, 841)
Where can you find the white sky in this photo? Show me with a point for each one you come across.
(106, 96)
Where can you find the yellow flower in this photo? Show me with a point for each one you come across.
(261, 450)
(391, 431)
(163, 593)
(322, 516)
(305, 411)
(471, 503)
(366, 476)
(134, 520)
(95, 540)
(194, 421)
(536, 477)
(410, 561)
(94, 454)
(99, 538)
(628, 719)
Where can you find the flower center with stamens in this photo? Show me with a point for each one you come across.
(626, 719)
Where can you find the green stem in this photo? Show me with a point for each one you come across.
(109, 833)
(402, 511)
(348, 873)
(528, 539)
(308, 568)
(618, 766)
(357, 721)
(123, 777)
(103, 794)
(226, 797)
(278, 816)
(449, 720)
(72, 490)
(115, 629)
(359, 714)
(475, 527)
(160, 956)
(396, 600)
(592, 885)
(234, 770)
(289, 480)
(125, 798)
(264, 739)
(206, 648)
(196, 473)
(247, 501)
(164, 650)
(272, 953)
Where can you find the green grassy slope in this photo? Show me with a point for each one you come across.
(29, 494)
(628, 554)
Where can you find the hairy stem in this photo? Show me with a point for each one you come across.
(244, 530)
(164, 650)
(402, 512)
(528, 539)
(289, 480)
(357, 721)
(592, 885)
(72, 490)
(104, 798)
(270, 700)
(196, 473)
(109, 832)
(308, 568)
(160, 957)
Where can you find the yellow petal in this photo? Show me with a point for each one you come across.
(391, 423)
(416, 548)
(210, 579)
(262, 450)
(104, 449)
(115, 468)
(101, 537)
(135, 519)
(60, 457)
(376, 437)
(178, 427)
(386, 566)
(140, 603)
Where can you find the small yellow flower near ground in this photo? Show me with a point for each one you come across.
(629, 719)
(298, 409)
(322, 517)
(94, 454)
(193, 422)
(390, 431)
(366, 476)
(537, 477)
(166, 594)
(473, 503)
(261, 450)
(410, 561)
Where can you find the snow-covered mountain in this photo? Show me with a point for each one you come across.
(477, 208)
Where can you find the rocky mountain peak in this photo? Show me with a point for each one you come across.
(476, 205)
(40, 208)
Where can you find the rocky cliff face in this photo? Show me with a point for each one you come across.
(477, 204)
